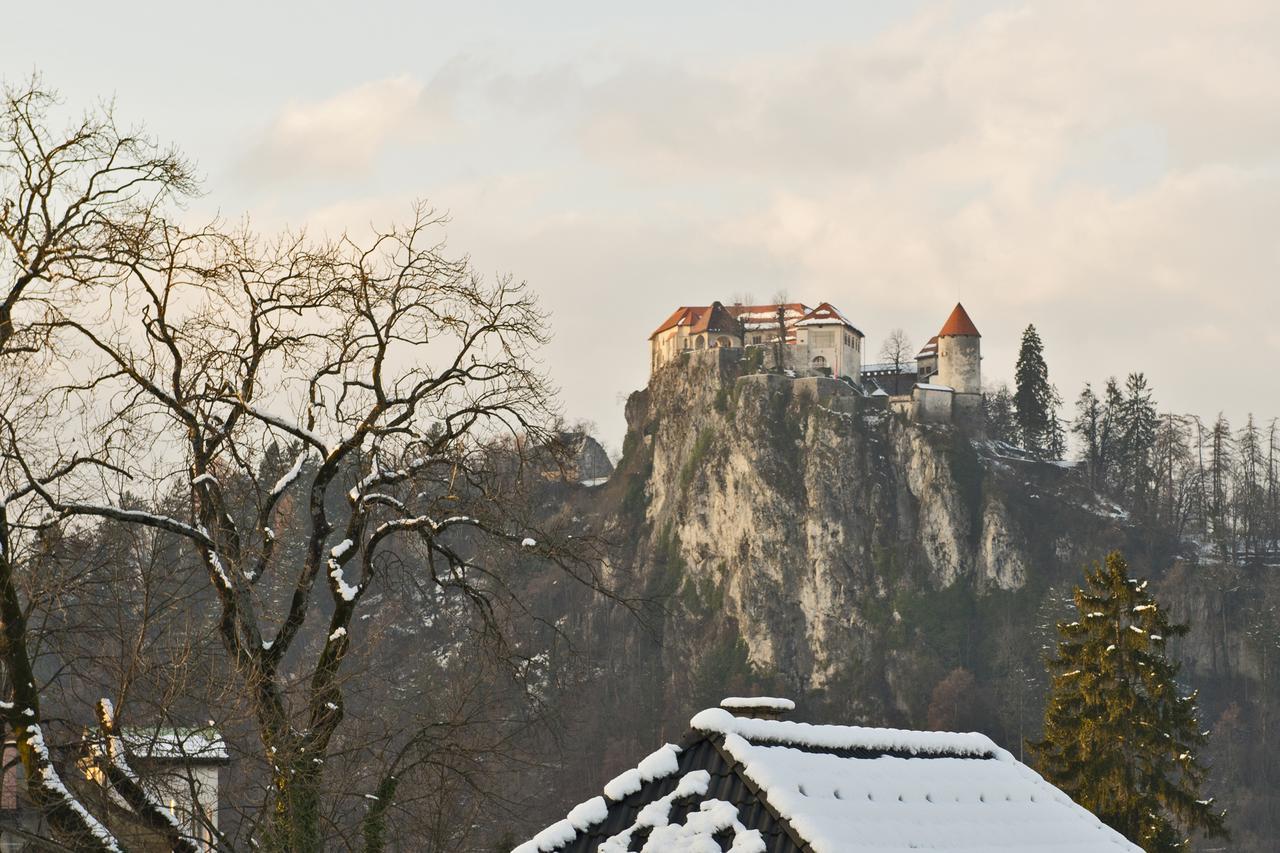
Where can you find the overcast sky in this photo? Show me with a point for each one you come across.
(1108, 171)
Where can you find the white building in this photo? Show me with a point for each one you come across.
(831, 341)
(945, 383)
(820, 340)
(179, 769)
(691, 328)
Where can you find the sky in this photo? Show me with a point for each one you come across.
(1107, 171)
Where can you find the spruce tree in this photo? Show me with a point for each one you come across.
(1088, 425)
(1033, 396)
(1119, 736)
(997, 415)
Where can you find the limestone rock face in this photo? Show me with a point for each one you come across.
(788, 536)
(803, 513)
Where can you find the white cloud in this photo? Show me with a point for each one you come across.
(345, 134)
(1107, 171)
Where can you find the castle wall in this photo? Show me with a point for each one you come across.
(931, 405)
(960, 363)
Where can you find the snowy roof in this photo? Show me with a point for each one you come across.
(172, 744)
(751, 785)
(888, 367)
(827, 314)
(925, 386)
(930, 349)
(757, 317)
(762, 702)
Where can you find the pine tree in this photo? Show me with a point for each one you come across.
(1088, 426)
(1136, 424)
(997, 414)
(1109, 449)
(1034, 399)
(1120, 738)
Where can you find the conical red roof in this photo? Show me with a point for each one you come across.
(959, 324)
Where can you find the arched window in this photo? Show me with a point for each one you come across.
(819, 361)
(724, 341)
(700, 343)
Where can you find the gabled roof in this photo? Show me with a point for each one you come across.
(929, 350)
(716, 319)
(701, 318)
(756, 317)
(958, 324)
(827, 314)
(772, 786)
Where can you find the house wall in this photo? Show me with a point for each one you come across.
(840, 349)
(665, 346)
(174, 789)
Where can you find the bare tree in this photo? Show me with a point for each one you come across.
(406, 385)
(75, 205)
(897, 349)
(780, 329)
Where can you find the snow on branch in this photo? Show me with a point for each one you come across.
(110, 759)
(293, 429)
(286, 480)
(134, 516)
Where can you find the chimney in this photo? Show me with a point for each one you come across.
(757, 707)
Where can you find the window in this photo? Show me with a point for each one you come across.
(819, 361)
(723, 341)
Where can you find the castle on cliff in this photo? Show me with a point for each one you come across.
(943, 383)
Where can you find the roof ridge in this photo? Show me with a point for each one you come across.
(739, 770)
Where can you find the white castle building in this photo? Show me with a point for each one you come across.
(820, 340)
(941, 384)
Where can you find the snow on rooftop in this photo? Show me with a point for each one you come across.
(720, 721)
(171, 744)
(925, 386)
(926, 790)
(843, 789)
(738, 702)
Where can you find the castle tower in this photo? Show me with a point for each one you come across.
(960, 358)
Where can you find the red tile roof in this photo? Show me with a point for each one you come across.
(701, 318)
(930, 349)
(959, 324)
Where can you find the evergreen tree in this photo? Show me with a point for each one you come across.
(997, 414)
(1088, 426)
(1055, 444)
(1219, 480)
(1109, 437)
(1119, 737)
(1034, 400)
(1137, 424)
